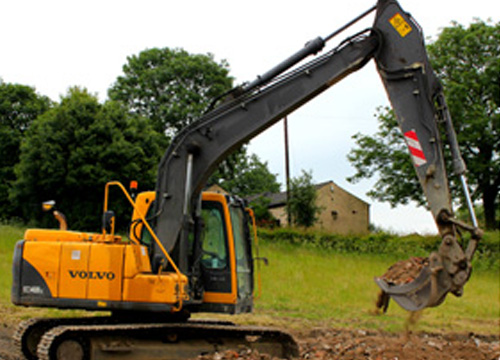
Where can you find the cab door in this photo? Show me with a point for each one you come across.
(243, 251)
(215, 258)
(226, 262)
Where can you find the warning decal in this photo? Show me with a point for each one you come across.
(416, 152)
(400, 24)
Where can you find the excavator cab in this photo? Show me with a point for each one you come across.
(219, 257)
(225, 254)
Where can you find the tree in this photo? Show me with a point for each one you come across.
(302, 203)
(249, 177)
(386, 154)
(19, 107)
(467, 61)
(170, 86)
(263, 216)
(72, 150)
(246, 176)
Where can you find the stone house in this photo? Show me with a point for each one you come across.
(341, 212)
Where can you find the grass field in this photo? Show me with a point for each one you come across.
(8, 237)
(303, 285)
(338, 289)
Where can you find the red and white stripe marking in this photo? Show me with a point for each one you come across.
(416, 152)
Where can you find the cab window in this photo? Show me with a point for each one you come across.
(213, 242)
(242, 250)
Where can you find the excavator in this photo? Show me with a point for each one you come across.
(190, 251)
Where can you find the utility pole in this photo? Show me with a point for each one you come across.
(287, 170)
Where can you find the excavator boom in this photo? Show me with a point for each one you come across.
(396, 44)
(200, 147)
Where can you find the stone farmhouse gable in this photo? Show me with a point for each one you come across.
(341, 211)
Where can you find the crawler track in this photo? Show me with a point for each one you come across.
(28, 333)
(104, 338)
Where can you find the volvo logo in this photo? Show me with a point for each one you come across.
(92, 275)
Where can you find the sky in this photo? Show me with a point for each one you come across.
(53, 45)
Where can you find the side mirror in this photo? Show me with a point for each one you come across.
(108, 222)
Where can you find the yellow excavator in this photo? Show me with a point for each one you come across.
(190, 251)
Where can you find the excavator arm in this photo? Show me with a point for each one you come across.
(418, 101)
(396, 44)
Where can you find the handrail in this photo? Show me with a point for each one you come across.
(153, 234)
(106, 196)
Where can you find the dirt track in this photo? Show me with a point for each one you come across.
(354, 344)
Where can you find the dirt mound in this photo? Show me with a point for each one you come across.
(360, 344)
(322, 344)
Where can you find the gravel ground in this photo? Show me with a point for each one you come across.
(373, 345)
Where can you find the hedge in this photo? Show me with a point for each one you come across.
(487, 256)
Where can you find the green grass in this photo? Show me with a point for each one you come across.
(8, 237)
(309, 286)
(338, 289)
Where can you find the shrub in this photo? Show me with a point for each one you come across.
(487, 256)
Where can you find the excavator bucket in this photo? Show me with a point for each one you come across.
(416, 283)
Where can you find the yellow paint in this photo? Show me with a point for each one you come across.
(400, 24)
(67, 236)
(79, 265)
(136, 261)
(53, 235)
(232, 297)
(220, 298)
(142, 204)
(73, 267)
(44, 257)
(153, 288)
(105, 272)
(181, 295)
